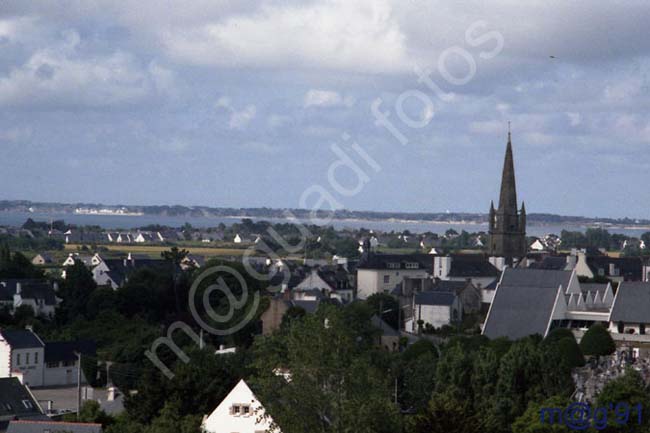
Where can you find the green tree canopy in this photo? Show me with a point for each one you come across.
(597, 341)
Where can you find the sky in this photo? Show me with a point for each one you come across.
(248, 104)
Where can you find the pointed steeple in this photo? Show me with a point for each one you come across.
(508, 196)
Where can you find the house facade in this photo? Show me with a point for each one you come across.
(239, 412)
(381, 273)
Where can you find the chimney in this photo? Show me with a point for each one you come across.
(112, 393)
(222, 347)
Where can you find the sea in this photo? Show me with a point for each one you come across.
(128, 222)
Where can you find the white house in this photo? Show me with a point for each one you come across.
(538, 245)
(40, 295)
(22, 354)
(435, 308)
(36, 363)
(239, 412)
(381, 273)
(237, 239)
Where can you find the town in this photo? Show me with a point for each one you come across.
(388, 316)
(324, 216)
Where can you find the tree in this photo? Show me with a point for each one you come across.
(530, 421)
(563, 342)
(386, 307)
(76, 290)
(597, 341)
(335, 384)
(627, 393)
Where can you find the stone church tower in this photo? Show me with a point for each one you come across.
(507, 224)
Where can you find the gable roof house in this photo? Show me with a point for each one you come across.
(381, 273)
(239, 412)
(17, 402)
(22, 355)
(434, 308)
(40, 295)
(630, 314)
(613, 268)
(42, 259)
(525, 300)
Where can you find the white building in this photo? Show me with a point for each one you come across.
(239, 412)
(435, 308)
(35, 363)
(22, 354)
(381, 273)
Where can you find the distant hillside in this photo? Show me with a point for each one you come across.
(205, 211)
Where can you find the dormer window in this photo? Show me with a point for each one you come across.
(412, 265)
(392, 265)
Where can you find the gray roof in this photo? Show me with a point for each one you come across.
(632, 303)
(30, 289)
(16, 400)
(523, 302)
(435, 298)
(50, 426)
(381, 324)
(309, 306)
(21, 338)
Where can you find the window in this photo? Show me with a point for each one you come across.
(642, 329)
(27, 359)
(246, 410)
(52, 365)
(412, 265)
(235, 410)
(392, 265)
(35, 357)
(28, 404)
(18, 359)
(386, 279)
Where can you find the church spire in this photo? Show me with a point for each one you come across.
(508, 196)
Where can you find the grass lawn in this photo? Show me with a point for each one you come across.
(155, 250)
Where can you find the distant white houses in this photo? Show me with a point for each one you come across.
(239, 412)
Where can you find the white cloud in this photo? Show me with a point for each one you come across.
(333, 34)
(574, 118)
(239, 119)
(326, 98)
(58, 76)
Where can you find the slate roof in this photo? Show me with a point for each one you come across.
(54, 427)
(58, 351)
(310, 307)
(593, 287)
(449, 285)
(434, 298)
(630, 268)
(21, 338)
(380, 261)
(30, 289)
(551, 263)
(632, 303)
(381, 325)
(12, 396)
(523, 302)
(472, 265)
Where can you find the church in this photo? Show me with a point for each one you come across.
(508, 223)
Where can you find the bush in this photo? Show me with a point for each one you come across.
(564, 343)
(597, 341)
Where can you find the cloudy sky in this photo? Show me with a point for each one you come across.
(242, 103)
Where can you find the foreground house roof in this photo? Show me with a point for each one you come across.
(52, 427)
(16, 400)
